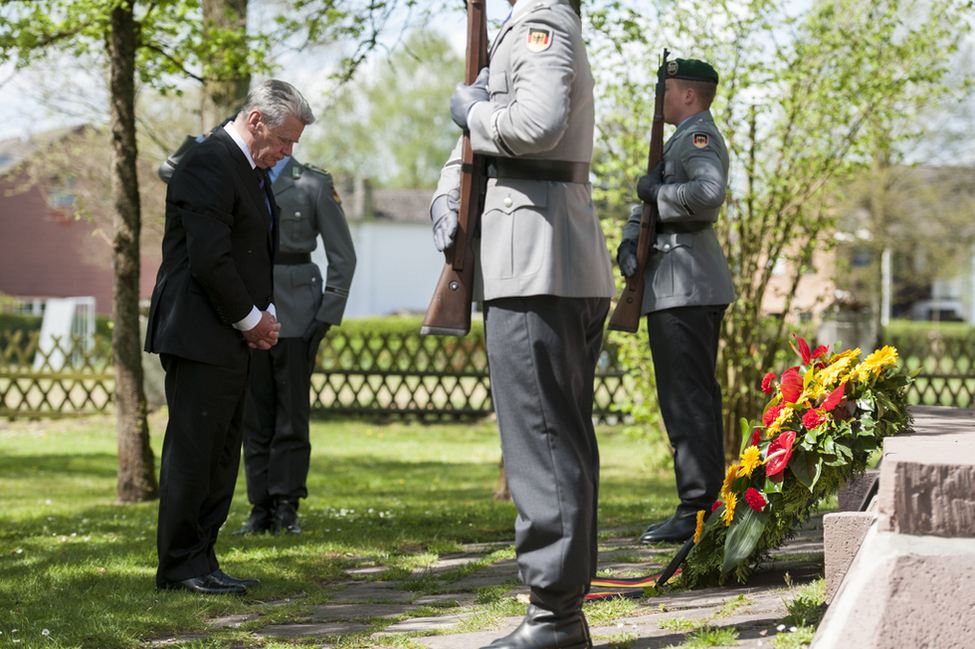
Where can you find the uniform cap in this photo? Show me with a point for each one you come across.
(690, 69)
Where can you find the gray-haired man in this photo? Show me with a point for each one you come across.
(211, 303)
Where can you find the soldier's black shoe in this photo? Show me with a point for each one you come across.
(286, 517)
(261, 520)
(223, 577)
(677, 529)
(207, 585)
(652, 526)
(553, 621)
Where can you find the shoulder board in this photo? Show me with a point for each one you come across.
(311, 167)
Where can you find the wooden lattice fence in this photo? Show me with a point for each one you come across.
(361, 372)
(430, 376)
(384, 373)
(70, 376)
(947, 364)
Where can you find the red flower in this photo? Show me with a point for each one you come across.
(755, 499)
(756, 437)
(803, 350)
(714, 507)
(779, 452)
(822, 349)
(767, 383)
(813, 418)
(834, 398)
(771, 414)
(791, 385)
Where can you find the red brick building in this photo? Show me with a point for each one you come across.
(46, 249)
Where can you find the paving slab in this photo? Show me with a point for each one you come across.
(425, 624)
(373, 592)
(311, 630)
(344, 612)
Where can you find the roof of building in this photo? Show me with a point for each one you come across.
(402, 205)
(14, 150)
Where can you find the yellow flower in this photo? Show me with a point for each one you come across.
(886, 355)
(811, 392)
(729, 478)
(779, 422)
(730, 500)
(699, 528)
(751, 458)
(850, 353)
(830, 375)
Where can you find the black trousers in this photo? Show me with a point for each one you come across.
(200, 459)
(684, 344)
(276, 447)
(542, 354)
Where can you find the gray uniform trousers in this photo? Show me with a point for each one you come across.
(277, 450)
(542, 353)
(684, 344)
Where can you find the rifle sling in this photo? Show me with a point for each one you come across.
(558, 171)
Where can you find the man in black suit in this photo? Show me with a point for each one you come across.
(212, 301)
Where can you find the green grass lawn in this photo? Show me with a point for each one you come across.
(77, 570)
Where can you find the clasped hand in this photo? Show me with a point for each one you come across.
(265, 334)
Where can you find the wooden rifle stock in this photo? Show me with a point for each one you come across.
(626, 315)
(449, 313)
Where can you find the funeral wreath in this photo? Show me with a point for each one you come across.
(825, 417)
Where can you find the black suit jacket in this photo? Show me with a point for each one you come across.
(218, 255)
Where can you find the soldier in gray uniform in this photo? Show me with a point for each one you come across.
(547, 283)
(688, 288)
(276, 446)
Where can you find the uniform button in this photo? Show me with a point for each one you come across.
(297, 215)
(666, 246)
(314, 279)
(507, 201)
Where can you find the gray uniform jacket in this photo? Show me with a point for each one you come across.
(537, 237)
(309, 206)
(688, 268)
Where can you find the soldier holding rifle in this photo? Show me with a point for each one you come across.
(688, 287)
(547, 284)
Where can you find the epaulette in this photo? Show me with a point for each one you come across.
(311, 167)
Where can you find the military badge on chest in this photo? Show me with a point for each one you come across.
(539, 39)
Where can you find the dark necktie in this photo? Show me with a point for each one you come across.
(267, 202)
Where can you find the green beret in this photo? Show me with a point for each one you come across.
(690, 69)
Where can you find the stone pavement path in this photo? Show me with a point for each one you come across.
(384, 613)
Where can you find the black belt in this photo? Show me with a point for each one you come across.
(292, 258)
(683, 227)
(526, 169)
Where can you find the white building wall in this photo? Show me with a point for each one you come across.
(397, 268)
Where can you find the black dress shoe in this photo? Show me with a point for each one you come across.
(676, 530)
(543, 629)
(652, 526)
(261, 520)
(223, 577)
(286, 517)
(207, 584)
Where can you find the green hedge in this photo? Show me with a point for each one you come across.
(399, 325)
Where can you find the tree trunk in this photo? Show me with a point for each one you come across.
(501, 491)
(136, 470)
(222, 98)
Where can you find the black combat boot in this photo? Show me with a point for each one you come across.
(260, 520)
(286, 517)
(554, 621)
